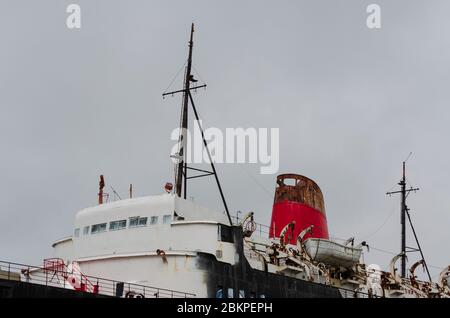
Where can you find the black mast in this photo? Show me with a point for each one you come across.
(181, 174)
(404, 212)
(402, 185)
(184, 122)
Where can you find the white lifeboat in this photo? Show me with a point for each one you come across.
(332, 253)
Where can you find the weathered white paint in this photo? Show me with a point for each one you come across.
(330, 252)
(129, 254)
(178, 273)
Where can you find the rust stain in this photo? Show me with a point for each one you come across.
(302, 190)
(186, 262)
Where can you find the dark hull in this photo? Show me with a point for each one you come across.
(248, 282)
(225, 280)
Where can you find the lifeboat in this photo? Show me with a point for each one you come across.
(332, 253)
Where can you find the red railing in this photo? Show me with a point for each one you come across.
(56, 274)
(73, 276)
(55, 265)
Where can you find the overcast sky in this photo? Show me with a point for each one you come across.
(351, 104)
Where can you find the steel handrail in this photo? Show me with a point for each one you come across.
(105, 286)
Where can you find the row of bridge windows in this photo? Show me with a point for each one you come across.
(133, 222)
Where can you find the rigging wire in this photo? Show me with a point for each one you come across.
(180, 132)
(204, 124)
(391, 188)
(409, 155)
(392, 253)
(407, 158)
(382, 225)
(175, 77)
(198, 73)
(256, 181)
(440, 268)
(115, 192)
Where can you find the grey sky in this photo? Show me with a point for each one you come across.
(350, 102)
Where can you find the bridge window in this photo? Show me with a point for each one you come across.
(241, 293)
(154, 220)
(167, 219)
(76, 232)
(86, 230)
(142, 221)
(97, 228)
(117, 225)
(134, 221)
(230, 293)
(138, 221)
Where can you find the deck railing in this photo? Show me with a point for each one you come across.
(57, 277)
(261, 229)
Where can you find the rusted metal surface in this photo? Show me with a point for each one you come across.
(101, 185)
(162, 254)
(248, 224)
(412, 271)
(444, 280)
(168, 187)
(297, 188)
(289, 231)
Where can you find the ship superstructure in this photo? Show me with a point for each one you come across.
(176, 244)
(188, 250)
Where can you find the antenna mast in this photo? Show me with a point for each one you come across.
(182, 168)
(404, 212)
(402, 184)
(184, 122)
